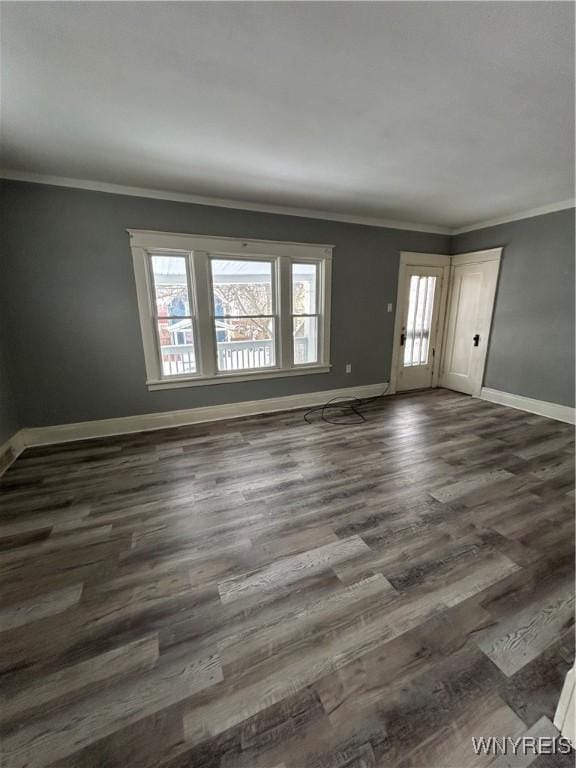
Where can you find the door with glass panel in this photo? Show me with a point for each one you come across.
(420, 308)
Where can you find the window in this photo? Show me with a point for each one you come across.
(305, 316)
(172, 315)
(244, 313)
(219, 309)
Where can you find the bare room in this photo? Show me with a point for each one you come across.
(287, 351)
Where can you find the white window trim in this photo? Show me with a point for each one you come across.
(199, 249)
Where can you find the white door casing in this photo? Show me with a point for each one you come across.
(473, 281)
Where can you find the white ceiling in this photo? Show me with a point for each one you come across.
(438, 113)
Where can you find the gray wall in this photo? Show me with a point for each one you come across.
(68, 303)
(70, 300)
(531, 349)
(9, 422)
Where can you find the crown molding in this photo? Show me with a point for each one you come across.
(306, 213)
(242, 205)
(543, 209)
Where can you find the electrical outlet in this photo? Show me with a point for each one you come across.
(389, 308)
(348, 367)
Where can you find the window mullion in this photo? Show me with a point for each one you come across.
(203, 301)
(284, 310)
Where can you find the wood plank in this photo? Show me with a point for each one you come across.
(542, 729)
(290, 570)
(142, 654)
(72, 729)
(453, 746)
(46, 604)
(524, 635)
(454, 491)
(274, 684)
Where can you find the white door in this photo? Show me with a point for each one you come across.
(419, 325)
(470, 303)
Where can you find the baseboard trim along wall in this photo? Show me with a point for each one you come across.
(85, 430)
(65, 433)
(541, 407)
(10, 450)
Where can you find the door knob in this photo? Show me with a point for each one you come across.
(476, 339)
(402, 339)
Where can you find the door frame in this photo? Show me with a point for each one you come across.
(474, 257)
(413, 259)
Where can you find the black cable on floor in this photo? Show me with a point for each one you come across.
(349, 408)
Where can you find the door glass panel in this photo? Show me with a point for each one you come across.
(419, 320)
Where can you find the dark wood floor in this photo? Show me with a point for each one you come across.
(262, 593)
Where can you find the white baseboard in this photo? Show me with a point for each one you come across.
(10, 450)
(64, 433)
(541, 407)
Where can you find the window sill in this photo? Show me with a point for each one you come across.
(229, 378)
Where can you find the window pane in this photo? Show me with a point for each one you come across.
(305, 340)
(243, 344)
(242, 287)
(171, 286)
(420, 306)
(176, 346)
(304, 289)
